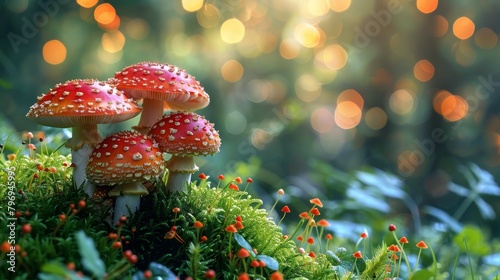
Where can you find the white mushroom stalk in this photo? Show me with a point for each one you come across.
(82, 104)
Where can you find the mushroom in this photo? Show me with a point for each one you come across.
(124, 160)
(184, 135)
(82, 104)
(160, 86)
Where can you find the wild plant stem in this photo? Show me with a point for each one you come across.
(465, 204)
(403, 251)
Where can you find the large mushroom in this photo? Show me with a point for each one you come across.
(184, 135)
(82, 104)
(125, 159)
(160, 86)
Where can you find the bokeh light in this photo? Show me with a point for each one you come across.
(463, 28)
(113, 42)
(440, 26)
(334, 57)
(454, 108)
(307, 88)
(376, 118)
(339, 5)
(232, 31)
(289, 49)
(87, 3)
(192, 5)
(353, 96)
(235, 122)
(486, 38)
(104, 13)
(307, 35)
(137, 29)
(322, 120)
(54, 52)
(209, 16)
(437, 100)
(402, 102)
(347, 115)
(427, 6)
(113, 25)
(423, 70)
(232, 71)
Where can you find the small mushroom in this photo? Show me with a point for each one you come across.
(124, 160)
(160, 86)
(184, 135)
(82, 104)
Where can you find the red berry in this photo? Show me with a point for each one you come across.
(210, 274)
(5, 247)
(127, 254)
(70, 266)
(147, 274)
(133, 259)
(112, 235)
(18, 214)
(123, 219)
(26, 228)
(62, 217)
(82, 204)
(27, 213)
(116, 245)
(392, 227)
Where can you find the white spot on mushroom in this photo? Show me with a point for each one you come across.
(119, 156)
(171, 138)
(137, 156)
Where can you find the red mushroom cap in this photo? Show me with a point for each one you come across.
(158, 81)
(185, 134)
(81, 102)
(124, 157)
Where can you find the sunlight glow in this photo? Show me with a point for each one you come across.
(232, 31)
(463, 28)
(104, 13)
(423, 70)
(54, 52)
(427, 6)
(232, 71)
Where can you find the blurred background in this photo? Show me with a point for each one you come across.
(383, 108)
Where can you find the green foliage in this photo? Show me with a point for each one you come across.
(68, 237)
(471, 240)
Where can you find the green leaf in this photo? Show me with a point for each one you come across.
(270, 262)
(243, 243)
(423, 274)
(475, 241)
(90, 257)
(332, 258)
(57, 271)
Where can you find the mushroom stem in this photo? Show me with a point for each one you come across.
(128, 199)
(89, 188)
(151, 113)
(177, 180)
(79, 158)
(124, 204)
(82, 142)
(179, 172)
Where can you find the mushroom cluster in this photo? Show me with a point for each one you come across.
(81, 105)
(123, 161)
